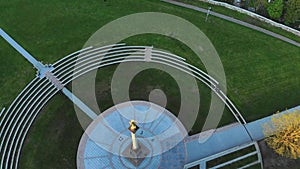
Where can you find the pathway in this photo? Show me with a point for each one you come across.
(234, 21)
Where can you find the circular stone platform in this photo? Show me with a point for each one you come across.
(107, 141)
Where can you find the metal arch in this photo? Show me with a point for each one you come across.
(259, 156)
(219, 92)
(12, 119)
(10, 113)
(2, 111)
(113, 54)
(13, 122)
(14, 102)
(30, 111)
(15, 141)
(22, 138)
(72, 77)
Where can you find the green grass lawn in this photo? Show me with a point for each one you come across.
(261, 71)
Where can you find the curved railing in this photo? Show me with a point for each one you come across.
(92, 60)
(17, 119)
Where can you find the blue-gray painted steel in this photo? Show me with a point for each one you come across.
(235, 135)
(80, 104)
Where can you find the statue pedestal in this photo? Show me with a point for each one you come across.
(137, 156)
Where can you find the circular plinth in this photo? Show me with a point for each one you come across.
(107, 141)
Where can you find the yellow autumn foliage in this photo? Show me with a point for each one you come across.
(283, 134)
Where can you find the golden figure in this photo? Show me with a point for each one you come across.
(133, 128)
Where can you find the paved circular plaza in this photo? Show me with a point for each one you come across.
(107, 141)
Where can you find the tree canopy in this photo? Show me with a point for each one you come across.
(283, 134)
(292, 13)
(275, 9)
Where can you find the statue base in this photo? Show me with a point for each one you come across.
(136, 157)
